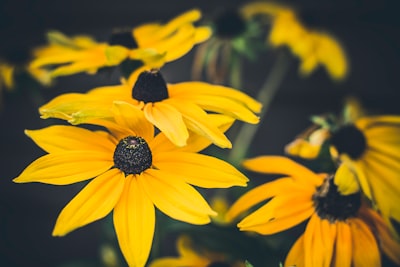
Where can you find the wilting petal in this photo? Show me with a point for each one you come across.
(365, 248)
(134, 222)
(92, 203)
(200, 170)
(66, 168)
(282, 165)
(176, 198)
(168, 120)
(59, 138)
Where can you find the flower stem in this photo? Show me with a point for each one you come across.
(265, 96)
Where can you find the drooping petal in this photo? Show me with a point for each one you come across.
(365, 248)
(282, 165)
(280, 213)
(66, 167)
(259, 194)
(195, 142)
(59, 138)
(343, 248)
(176, 198)
(196, 119)
(168, 120)
(134, 222)
(199, 170)
(92, 203)
(346, 180)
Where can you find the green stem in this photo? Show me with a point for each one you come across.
(265, 96)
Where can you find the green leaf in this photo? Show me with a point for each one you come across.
(248, 264)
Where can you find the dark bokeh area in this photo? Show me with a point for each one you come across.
(369, 31)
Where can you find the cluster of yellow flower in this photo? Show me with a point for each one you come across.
(146, 153)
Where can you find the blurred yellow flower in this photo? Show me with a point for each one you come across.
(152, 44)
(341, 231)
(132, 172)
(313, 47)
(190, 257)
(172, 108)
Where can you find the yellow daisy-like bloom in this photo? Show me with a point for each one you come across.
(173, 108)
(153, 44)
(189, 257)
(367, 147)
(313, 47)
(341, 231)
(133, 172)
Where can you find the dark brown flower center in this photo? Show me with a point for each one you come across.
(218, 264)
(132, 155)
(150, 87)
(331, 205)
(350, 140)
(229, 24)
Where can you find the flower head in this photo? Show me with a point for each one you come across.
(132, 172)
(369, 148)
(150, 44)
(189, 256)
(341, 231)
(173, 108)
(313, 47)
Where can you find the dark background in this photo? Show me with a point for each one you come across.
(369, 31)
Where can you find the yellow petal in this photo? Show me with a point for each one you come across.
(92, 203)
(175, 198)
(259, 194)
(202, 34)
(194, 89)
(168, 120)
(296, 254)
(365, 248)
(134, 222)
(130, 117)
(282, 165)
(67, 167)
(343, 248)
(346, 180)
(267, 8)
(59, 138)
(195, 141)
(199, 170)
(196, 119)
(280, 213)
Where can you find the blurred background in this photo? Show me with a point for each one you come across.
(368, 30)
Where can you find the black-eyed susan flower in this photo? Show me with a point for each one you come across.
(190, 256)
(312, 47)
(234, 37)
(341, 231)
(133, 172)
(367, 147)
(152, 44)
(172, 108)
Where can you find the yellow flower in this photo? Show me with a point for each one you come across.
(152, 44)
(174, 108)
(341, 231)
(370, 148)
(6, 76)
(313, 47)
(132, 172)
(189, 257)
